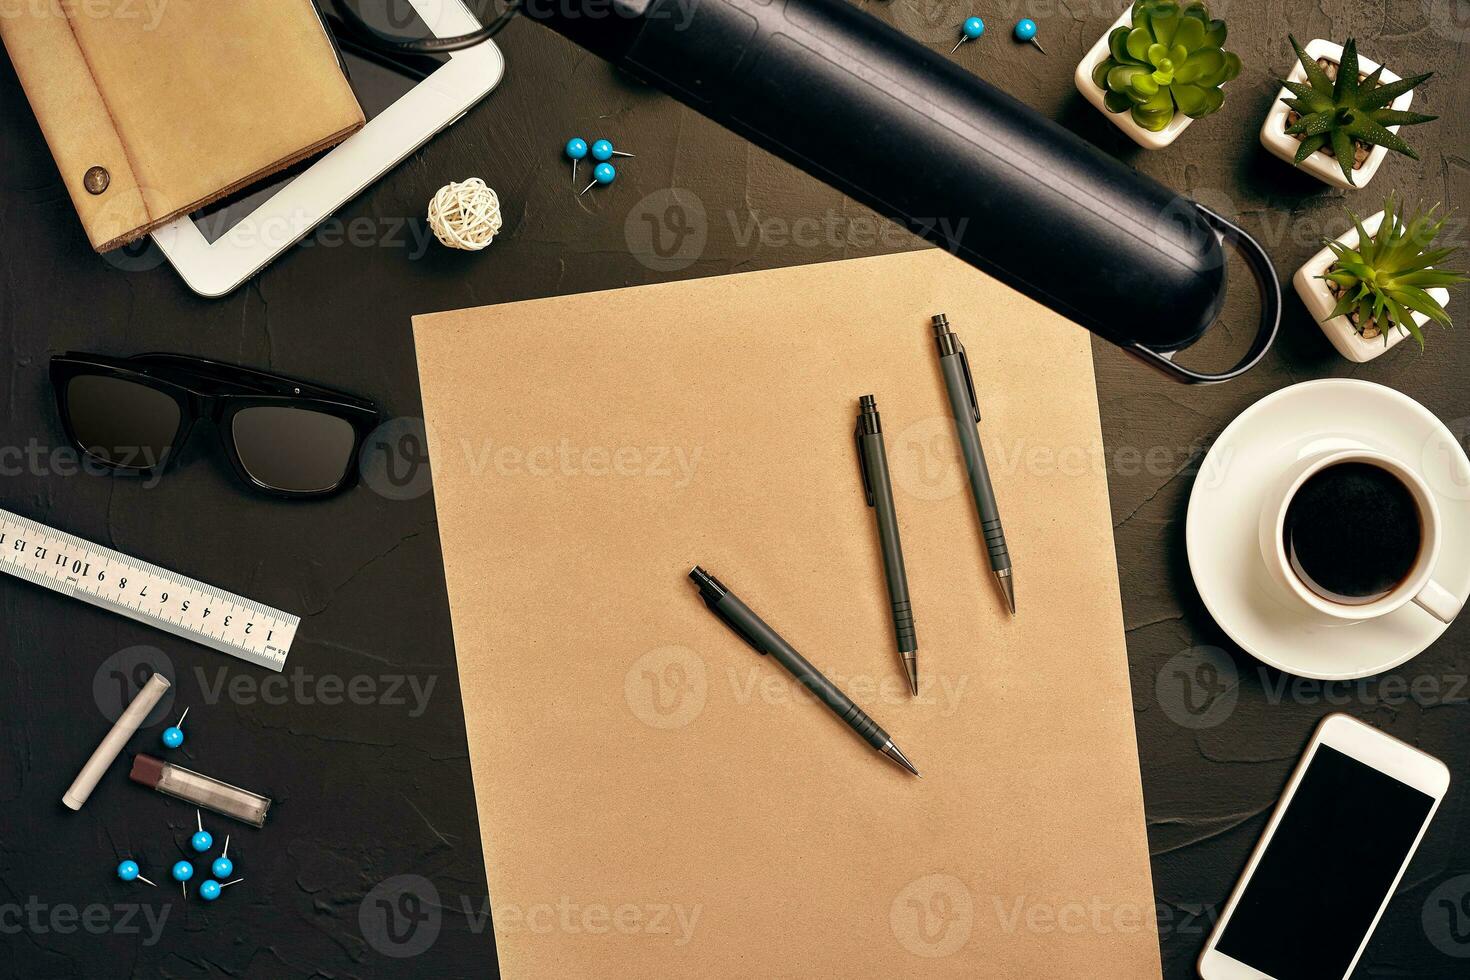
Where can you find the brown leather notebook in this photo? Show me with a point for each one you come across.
(153, 110)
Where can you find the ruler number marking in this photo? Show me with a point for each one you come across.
(144, 591)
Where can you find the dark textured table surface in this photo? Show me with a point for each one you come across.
(362, 744)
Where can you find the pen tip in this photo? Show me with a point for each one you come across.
(911, 664)
(1007, 587)
(893, 753)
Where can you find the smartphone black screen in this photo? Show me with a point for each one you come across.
(1326, 870)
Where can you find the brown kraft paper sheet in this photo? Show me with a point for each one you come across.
(657, 800)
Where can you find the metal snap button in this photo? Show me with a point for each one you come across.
(96, 180)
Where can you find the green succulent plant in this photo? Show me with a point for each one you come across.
(1387, 277)
(1171, 59)
(1350, 110)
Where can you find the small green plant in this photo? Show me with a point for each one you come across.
(1337, 114)
(1171, 60)
(1385, 280)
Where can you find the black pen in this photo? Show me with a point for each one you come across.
(873, 462)
(750, 628)
(965, 407)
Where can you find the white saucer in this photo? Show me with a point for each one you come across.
(1225, 505)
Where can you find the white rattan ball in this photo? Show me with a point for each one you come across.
(465, 214)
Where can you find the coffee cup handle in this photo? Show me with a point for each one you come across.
(1436, 600)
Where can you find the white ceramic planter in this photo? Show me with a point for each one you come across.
(1319, 164)
(1320, 302)
(1093, 94)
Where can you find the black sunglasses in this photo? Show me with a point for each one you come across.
(283, 437)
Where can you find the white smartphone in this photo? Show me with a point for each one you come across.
(1337, 844)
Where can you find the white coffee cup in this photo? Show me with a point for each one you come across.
(1418, 586)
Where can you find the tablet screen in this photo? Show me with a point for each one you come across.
(377, 80)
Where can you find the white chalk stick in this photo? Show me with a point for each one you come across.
(127, 724)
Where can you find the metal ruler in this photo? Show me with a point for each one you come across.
(156, 596)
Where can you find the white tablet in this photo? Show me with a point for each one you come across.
(407, 99)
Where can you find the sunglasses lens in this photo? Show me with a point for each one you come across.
(293, 449)
(121, 422)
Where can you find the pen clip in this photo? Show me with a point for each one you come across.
(969, 380)
(857, 437)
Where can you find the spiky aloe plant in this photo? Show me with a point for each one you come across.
(1171, 59)
(1385, 280)
(1349, 110)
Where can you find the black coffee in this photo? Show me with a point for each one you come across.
(1353, 532)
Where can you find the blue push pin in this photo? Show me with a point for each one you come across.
(203, 840)
(210, 890)
(576, 150)
(970, 30)
(182, 872)
(603, 173)
(1026, 31)
(223, 867)
(128, 871)
(603, 150)
(174, 737)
